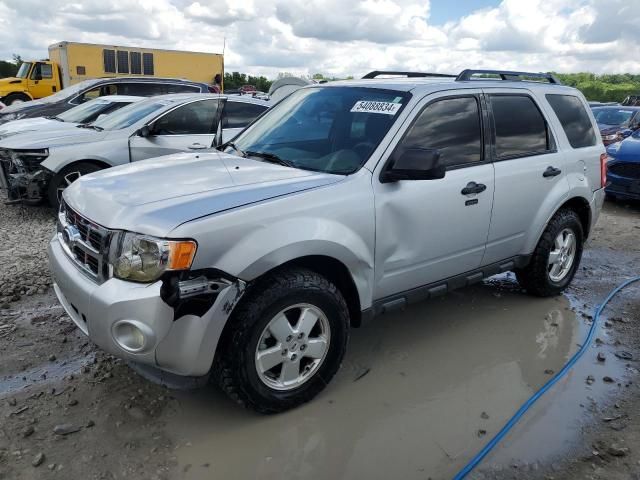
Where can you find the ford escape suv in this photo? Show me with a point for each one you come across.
(344, 201)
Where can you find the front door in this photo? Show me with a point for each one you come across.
(41, 82)
(429, 230)
(189, 127)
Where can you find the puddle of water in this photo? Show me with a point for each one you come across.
(433, 370)
(41, 375)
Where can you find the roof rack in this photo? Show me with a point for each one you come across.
(377, 73)
(507, 75)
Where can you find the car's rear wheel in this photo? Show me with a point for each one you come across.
(556, 257)
(285, 341)
(66, 177)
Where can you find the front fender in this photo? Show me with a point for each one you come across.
(334, 221)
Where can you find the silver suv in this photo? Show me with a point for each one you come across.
(344, 201)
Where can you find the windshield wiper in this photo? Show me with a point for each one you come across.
(88, 125)
(53, 117)
(270, 157)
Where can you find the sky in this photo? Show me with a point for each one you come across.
(345, 37)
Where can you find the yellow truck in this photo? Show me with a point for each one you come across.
(71, 62)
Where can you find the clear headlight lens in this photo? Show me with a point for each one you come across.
(144, 259)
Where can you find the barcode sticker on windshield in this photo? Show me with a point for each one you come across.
(367, 106)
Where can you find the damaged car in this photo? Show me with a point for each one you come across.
(39, 166)
(345, 200)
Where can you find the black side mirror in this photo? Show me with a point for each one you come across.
(414, 164)
(38, 76)
(145, 131)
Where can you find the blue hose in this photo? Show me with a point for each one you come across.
(529, 403)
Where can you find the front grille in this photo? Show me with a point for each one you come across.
(629, 170)
(85, 242)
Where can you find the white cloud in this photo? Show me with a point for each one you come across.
(341, 37)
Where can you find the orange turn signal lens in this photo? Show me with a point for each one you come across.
(181, 254)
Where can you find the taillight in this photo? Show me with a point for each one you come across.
(603, 169)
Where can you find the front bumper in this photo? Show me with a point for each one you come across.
(623, 187)
(184, 346)
(20, 183)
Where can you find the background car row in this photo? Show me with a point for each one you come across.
(40, 164)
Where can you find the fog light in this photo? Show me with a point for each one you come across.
(132, 336)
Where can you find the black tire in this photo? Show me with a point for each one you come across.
(535, 276)
(15, 98)
(59, 179)
(235, 367)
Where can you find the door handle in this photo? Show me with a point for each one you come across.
(473, 187)
(551, 172)
(197, 146)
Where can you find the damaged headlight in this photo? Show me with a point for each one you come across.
(142, 258)
(29, 158)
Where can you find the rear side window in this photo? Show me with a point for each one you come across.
(179, 88)
(574, 119)
(240, 114)
(520, 128)
(452, 126)
(142, 89)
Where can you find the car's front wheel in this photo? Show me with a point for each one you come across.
(556, 257)
(66, 177)
(285, 342)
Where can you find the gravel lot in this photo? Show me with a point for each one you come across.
(71, 411)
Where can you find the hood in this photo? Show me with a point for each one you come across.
(609, 129)
(9, 84)
(50, 139)
(156, 196)
(31, 124)
(628, 150)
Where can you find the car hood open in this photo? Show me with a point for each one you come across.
(157, 195)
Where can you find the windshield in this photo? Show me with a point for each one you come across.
(89, 111)
(613, 116)
(23, 71)
(127, 116)
(328, 129)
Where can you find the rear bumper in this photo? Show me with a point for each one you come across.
(184, 346)
(597, 200)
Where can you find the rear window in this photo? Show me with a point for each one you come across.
(574, 119)
(520, 128)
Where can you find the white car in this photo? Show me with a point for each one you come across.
(39, 165)
(84, 113)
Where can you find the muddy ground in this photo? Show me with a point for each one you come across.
(419, 393)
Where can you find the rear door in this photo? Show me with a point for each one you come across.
(190, 126)
(429, 230)
(530, 172)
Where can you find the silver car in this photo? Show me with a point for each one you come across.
(344, 201)
(40, 165)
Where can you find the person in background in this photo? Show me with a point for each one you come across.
(217, 83)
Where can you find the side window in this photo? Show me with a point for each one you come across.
(109, 58)
(452, 126)
(96, 92)
(574, 119)
(240, 114)
(140, 89)
(520, 128)
(136, 63)
(123, 61)
(179, 88)
(195, 118)
(41, 71)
